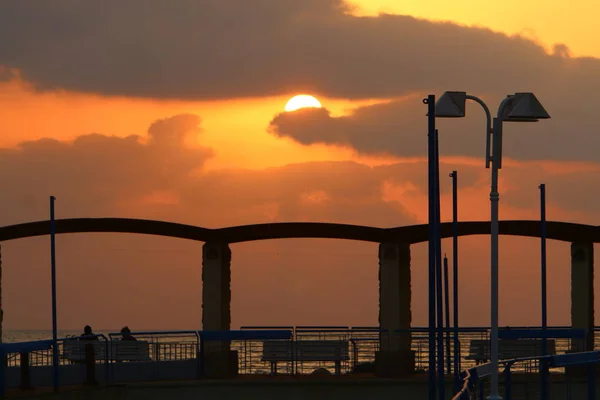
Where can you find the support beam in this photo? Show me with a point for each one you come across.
(395, 356)
(219, 360)
(582, 293)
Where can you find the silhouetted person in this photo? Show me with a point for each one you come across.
(126, 334)
(88, 334)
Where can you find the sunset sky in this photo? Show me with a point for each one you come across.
(175, 112)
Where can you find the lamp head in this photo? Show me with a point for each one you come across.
(523, 107)
(451, 105)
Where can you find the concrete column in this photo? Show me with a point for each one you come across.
(582, 293)
(395, 356)
(216, 286)
(216, 308)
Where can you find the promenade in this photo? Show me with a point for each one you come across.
(293, 388)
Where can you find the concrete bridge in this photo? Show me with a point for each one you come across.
(394, 264)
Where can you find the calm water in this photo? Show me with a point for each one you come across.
(14, 335)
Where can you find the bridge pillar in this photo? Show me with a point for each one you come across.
(219, 360)
(582, 294)
(395, 356)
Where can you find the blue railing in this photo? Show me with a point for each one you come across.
(471, 377)
(181, 352)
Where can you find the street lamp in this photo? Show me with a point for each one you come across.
(519, 107)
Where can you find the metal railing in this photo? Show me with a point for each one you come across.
(179, 354)
(473, 386)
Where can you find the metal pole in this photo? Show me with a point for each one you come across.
(454, 176)
(438, 272)
(543, 363)
(430, 101)
(53, 279)
(447, 312)
(591, 380)
(507, 383)
(494, 199)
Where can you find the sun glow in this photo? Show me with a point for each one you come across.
(302, 101)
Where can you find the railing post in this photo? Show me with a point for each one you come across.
(90, 364)
(25, 371)
(354, 354)
(507, 382)
(3, 372)
(591, 379)
(481, 393)
(201, 355)
(108, 379)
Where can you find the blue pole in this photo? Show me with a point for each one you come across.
(507, 383)
(447, 315)
(591, 380)
(438, 271)
(430, 101)
(2, 372)
(454, 176)
(53, 279)
(543, 363)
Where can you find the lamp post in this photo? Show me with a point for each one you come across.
(519, 107)
(543, 364)
(431, 136)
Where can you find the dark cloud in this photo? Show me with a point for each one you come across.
(209, 49)
(94, 172)
(400, 128)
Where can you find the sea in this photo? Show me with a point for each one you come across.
(21, 335)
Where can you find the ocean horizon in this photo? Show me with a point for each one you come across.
(27, 335)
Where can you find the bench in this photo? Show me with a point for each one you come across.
(305, 350)
(118, 350)
(479, 349)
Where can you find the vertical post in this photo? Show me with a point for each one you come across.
(543, 363)
(53, 279)
(438, 271)
(201, 355)
(447, 312)
(430, 101)
(2, 372)
(90, 364)
(507, 383)
(591, 380)
(494, 230)
(454, 176)
(25, 371)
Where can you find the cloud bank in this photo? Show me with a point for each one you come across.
(211, 49)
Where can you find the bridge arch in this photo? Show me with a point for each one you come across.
(394, 259)
(563, 231)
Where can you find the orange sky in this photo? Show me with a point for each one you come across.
(549, 21)
(256, 176)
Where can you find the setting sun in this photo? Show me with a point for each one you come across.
(302, 101)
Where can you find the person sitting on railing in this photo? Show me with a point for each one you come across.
(88, 334)
(126, 334)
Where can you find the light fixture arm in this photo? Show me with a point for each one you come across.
(488, 128)
(503, 105)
